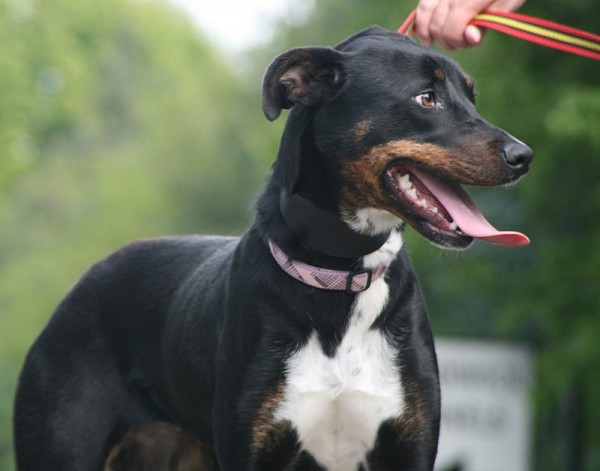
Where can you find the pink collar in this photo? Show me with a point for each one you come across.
(322, 278)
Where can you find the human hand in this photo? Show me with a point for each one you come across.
(447, 21)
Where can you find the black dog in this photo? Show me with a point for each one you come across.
(304, 344)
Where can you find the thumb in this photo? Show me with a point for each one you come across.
(473, 35)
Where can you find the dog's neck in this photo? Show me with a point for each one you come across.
(323, 231)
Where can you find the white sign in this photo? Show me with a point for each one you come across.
(485, 406)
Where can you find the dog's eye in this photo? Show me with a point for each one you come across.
(428, 100)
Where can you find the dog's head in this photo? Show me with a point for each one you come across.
(383, 130)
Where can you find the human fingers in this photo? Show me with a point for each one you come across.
(506, 5)
(425, 10)
(455, 30)
(473, 35)
(437, 22)
(447, 21)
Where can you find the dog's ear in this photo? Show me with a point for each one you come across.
(308, 76)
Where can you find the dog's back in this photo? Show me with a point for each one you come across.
(105, 341)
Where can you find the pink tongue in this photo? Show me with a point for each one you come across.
(466, 215)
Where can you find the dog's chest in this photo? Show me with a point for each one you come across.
(338, 403)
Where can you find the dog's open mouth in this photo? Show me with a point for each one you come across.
(442, 211)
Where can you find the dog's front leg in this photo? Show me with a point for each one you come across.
(248, 436)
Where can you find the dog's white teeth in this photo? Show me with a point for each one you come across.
(405, 182)
(453, 226)
(407, 186)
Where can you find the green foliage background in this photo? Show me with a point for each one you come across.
(119, 120)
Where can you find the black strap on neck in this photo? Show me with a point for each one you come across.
(323, 231)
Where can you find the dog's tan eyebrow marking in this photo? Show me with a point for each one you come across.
(470, 82)
(440, 74)
(361, 129)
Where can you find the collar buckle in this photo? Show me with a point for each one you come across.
(361, 283)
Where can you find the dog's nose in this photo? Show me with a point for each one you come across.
(517, 155)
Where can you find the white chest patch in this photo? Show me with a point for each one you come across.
(338, 403)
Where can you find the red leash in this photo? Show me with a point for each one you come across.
(532, 29)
